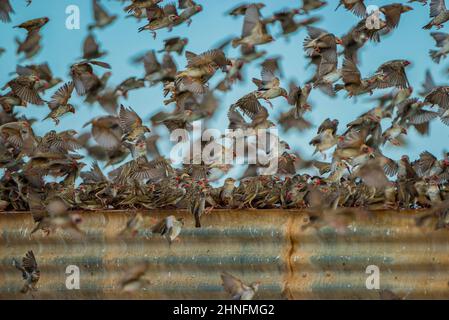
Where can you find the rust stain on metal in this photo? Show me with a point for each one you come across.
(276, 247)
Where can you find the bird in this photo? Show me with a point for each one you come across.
(442, 42)
(237, 289)
(131, 125)
(59, 104)
(169, 227)
(357, 7)
(438, 13)
(5, 11)
(254, 31)
(30, 272)
(102, 18)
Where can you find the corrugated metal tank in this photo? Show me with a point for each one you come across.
(292, 261)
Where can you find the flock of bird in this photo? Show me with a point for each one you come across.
(357, 175)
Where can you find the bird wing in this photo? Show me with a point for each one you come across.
(436, 7)
(128, 119)
(350, 72)
(62, 96)
(251, 20)
(29, 262)
(232, 285)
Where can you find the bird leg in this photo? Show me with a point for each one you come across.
(189, 22)
(154, 34)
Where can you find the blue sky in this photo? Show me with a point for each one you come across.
(62, 47)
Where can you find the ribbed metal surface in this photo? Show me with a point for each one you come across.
(268, 245)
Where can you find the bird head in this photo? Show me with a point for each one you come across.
(198, 8)
(338, 41)
(284, 93)
(403, 130)
(406, 63)
(71, 108)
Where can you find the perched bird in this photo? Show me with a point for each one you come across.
(169, 227)
(197, 204)
(237, 289)
(438, 13)
(59, 102)
(30, 271)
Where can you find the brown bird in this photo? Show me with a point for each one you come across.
(355, 6)
(25, 87)
(34, 24)
(240, 10)
(310, 5)
(254, 31)
(30, 271)
(197, 204)
(59, 102)
(439, 13)
(175, 44)
(5, 10)
(392, 74)
(393, 13)
(133, 280)
(91, 49)
(237, 289)
(169, 227)
(354, 84)
(131, 124)
(83, 75)
(159, 18)
(102, 18)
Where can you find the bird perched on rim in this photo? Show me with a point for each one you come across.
(197, 204)
(132, 125)
(5, 11)
(159, 18)
(30, 271)
(237, 289)
(175, 44)
(254, 31)
(169, 227)
(439, 13)
(269, 87)
(59, 104)
(442, 42)
(83, 75)
(25, 87)
(357, 7)
(101, 16)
